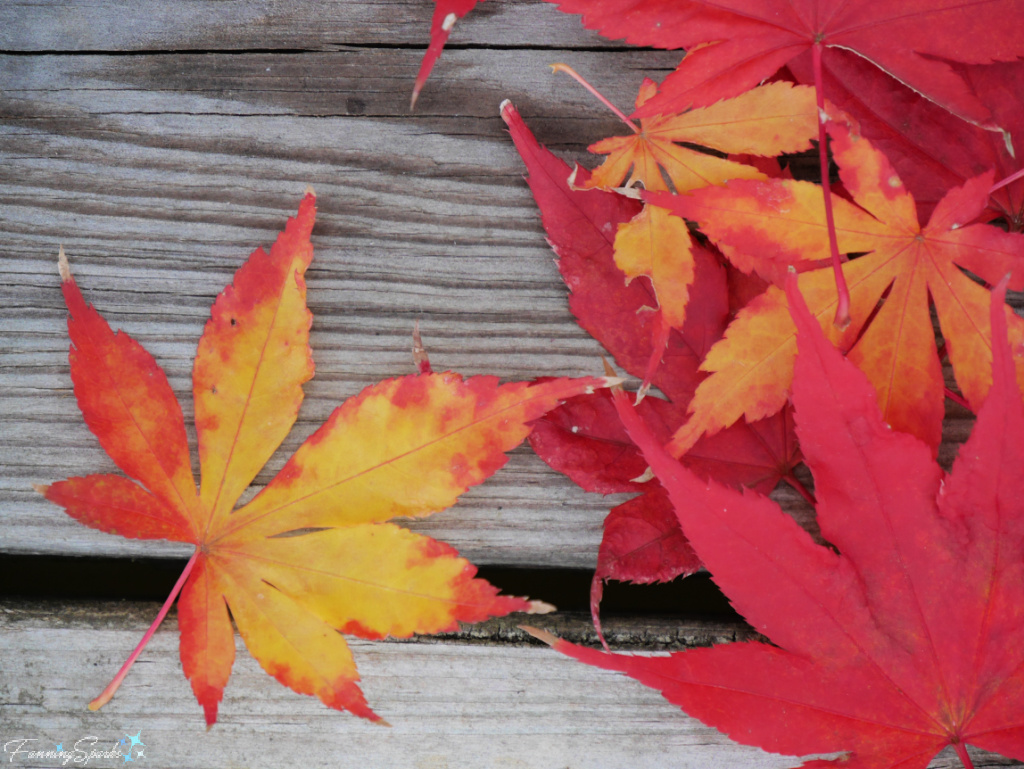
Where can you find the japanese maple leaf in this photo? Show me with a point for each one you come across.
(907, 267)
(767, 121)
(446, 13)
(930, 152)
(312, 554)
(897, 638)
(583, 438)
(764, 122)
(735, 44)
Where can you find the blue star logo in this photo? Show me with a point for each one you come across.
(60, 747)
(131, 742)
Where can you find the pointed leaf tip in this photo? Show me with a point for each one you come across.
(541, 635)
(310, 191)
(507, 110)
(541, 607)
(62, 265)
(419, 352)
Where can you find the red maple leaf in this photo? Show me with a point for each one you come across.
(930, 152)
(735, 44)
(583, 438)
(899, 639)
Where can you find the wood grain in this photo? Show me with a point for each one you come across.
(160, 173)
(464, 704)
(160, 142)
(230, 25)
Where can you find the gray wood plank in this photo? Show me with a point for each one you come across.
(152, 25)
(160, 174)
(453, 704)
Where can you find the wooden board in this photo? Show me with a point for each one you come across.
(459, 704)
(231, 25)
(160, 142)
(160, 173)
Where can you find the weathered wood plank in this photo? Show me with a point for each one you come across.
(452, 704)
(159, 174)
(152, 25)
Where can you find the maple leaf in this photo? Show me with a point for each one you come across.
(580, 225)
(446, 13)
(583, 438)
(898, 642)
(931, 153)
(767, 226)
(735, 44)
(766, 121)
(312, 554)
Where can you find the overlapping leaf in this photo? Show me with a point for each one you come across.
(764, 122)
(582, 438)
(897, 645)
(733, 45)
(766, 226)
(312, 554)
(930, 152)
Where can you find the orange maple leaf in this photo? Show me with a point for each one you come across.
(906, 268)
(766, 121)
(311, 554)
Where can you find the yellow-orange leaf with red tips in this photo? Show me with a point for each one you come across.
(766, 121)
(765, 226)
(769, 120)
(311, 554)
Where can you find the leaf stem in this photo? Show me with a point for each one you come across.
(600, 97)
(804, 492)
(419, 352)
(1009, 179)
(842, 319)
(113, 686)
(965, 758)
(958, 399)
(596, 592)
